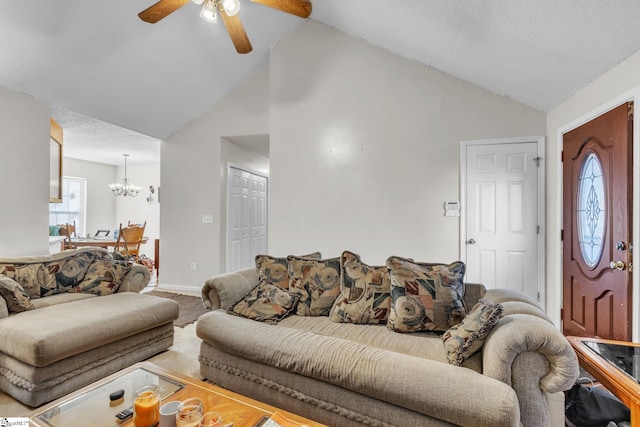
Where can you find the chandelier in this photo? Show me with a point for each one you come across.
(125, 188)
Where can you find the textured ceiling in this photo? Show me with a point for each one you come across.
(98, 62)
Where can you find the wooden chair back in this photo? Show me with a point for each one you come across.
(129, 240)
(67, 243)
(70, 227)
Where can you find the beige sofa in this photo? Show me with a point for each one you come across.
(345, 374)
(70, 328)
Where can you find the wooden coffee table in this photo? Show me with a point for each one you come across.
(90, 405)
(606, 369)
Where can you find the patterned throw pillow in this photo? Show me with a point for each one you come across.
(275, 270)
(72, 271)
(16, 297)
(317, 281)
(425, 297)
(103, 277)
(364, 292)
(465, 339)
(37, 279)
(265, 303)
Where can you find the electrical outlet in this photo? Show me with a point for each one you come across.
(193, 266)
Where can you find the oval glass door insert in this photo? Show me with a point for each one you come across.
(591, 210)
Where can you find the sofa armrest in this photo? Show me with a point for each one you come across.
(224, 290)
(136, 279)
(528, 353)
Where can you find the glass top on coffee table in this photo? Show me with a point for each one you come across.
(94, 405)
(624, 357)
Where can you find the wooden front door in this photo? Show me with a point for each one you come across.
(597, 195)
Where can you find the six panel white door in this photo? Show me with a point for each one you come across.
(247, 221)
(501, 216)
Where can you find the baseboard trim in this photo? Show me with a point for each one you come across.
(170, 287)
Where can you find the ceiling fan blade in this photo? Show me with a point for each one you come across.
(160, 10)
(301, 8)
(236, 32)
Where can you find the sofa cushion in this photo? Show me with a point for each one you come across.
(16, 297)
(275, 270)
(425, 296)
(265, 303)
(317, 281)
(364, 292)
(103, 277)
(466, 338)
(46, 335)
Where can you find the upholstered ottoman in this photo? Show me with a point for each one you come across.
(54, 350)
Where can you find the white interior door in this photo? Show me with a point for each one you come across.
(246, 218)
(501, 216)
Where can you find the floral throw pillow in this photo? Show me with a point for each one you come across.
(276, 270)
(463, 340)
(316, 281)
(364, 292)
(265, 303)
(425, 297)
(37, 279)
(103, 277)
(16, 297)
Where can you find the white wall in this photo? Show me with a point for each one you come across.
(365, 147)
(192, 177)
(614, 86)
(101, 205)
(137, 209)
(24, 175)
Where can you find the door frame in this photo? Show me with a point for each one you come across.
(540, 144)
(227, 249)
(629, 96)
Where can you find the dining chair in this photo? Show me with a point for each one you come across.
(71, 228)
(67, 243)
(129, 240)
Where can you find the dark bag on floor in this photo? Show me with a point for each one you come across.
(587, 406)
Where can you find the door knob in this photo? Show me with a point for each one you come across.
(471, 242)
(620, 246)
(617, 265)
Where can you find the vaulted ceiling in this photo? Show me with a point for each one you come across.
(110, 75)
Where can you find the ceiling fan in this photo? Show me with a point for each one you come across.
(228, 11)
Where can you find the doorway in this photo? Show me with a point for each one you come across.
(597, 201)
(247, 199)
(502, 215)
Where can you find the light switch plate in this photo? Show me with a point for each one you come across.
(207, 219)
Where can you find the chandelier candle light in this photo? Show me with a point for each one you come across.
(125, 189)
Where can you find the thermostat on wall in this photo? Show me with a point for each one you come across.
(451, 208)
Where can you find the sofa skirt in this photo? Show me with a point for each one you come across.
(313, 399)
(35, 386)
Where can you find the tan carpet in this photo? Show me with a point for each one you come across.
(190, 307)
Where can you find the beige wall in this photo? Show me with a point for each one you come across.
(24, 174)
(365, 147)
(604, 93)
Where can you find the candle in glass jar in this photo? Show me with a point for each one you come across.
(146, 407)
(189, 413)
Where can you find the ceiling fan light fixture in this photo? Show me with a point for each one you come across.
(208, 12)
(198, 1)
(231, 7)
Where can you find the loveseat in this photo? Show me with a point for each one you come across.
(347, 370)
(71, 318)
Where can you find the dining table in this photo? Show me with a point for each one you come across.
(101, 242)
